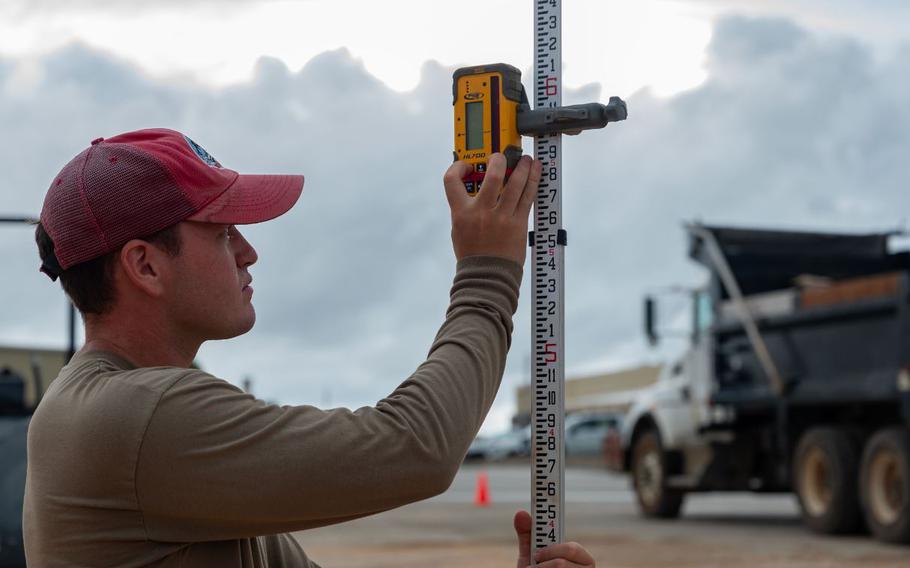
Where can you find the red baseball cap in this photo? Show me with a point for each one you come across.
(138, 183)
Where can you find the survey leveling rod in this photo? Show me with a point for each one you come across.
(548, 295)
(549, 240)
(492, 112)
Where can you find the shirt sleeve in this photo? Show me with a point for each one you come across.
(216, 463)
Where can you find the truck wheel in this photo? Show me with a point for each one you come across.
(824, 474)
(885, 485)
(649, 476)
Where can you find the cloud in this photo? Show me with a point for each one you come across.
(37, 8)
(876, 24)
(790, 129)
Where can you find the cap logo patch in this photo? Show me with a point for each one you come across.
(201, 153)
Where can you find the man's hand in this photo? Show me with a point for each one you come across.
(490, 223)
(564, 555)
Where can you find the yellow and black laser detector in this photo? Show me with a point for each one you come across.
(486, 100)
(492, 113)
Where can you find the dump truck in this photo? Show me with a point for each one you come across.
(796, 378)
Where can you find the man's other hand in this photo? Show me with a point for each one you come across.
(563, 555)
(490, 223)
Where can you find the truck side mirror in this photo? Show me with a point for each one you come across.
(650, 321)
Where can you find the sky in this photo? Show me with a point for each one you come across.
(751, 113)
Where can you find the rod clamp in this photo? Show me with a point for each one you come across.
(570, 119)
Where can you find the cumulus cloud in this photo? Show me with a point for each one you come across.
(789, 130)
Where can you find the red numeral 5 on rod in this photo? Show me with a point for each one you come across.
(550, 354)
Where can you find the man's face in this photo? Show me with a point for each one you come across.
(209, 289)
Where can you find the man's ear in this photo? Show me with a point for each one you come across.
(143, 264)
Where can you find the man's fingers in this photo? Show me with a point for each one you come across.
(456, 192)
(530, 190)
(570, 551)
(514, 187)
(492, 181)
(522, 524)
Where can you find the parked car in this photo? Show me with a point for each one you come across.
(508, 444)
(585, 433)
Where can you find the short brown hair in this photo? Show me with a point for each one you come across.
(90, 284)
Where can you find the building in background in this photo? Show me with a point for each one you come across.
(604, 392)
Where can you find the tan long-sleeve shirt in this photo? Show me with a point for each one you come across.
(166, 466)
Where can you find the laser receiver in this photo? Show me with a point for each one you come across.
(486, 100)
(492, 113)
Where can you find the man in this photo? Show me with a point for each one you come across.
(137, 459)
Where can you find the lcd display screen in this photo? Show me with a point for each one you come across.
(474, 127)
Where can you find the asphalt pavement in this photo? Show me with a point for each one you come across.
(715, 531)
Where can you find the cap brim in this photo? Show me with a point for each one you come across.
(252, 199)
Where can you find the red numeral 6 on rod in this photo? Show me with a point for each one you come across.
(551, 86)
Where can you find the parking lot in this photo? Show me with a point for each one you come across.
(716, 530)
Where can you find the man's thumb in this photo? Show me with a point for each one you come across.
(522, 524)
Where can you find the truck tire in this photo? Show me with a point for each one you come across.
(885, 485)
(825, 469)
(649, 477)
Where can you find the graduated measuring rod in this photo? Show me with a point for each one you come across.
(492, 112)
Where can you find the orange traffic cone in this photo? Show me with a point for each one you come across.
(482, 492)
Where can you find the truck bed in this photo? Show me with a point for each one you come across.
(837, 345)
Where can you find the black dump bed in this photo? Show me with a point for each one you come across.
(764, 260)
(833, 310)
